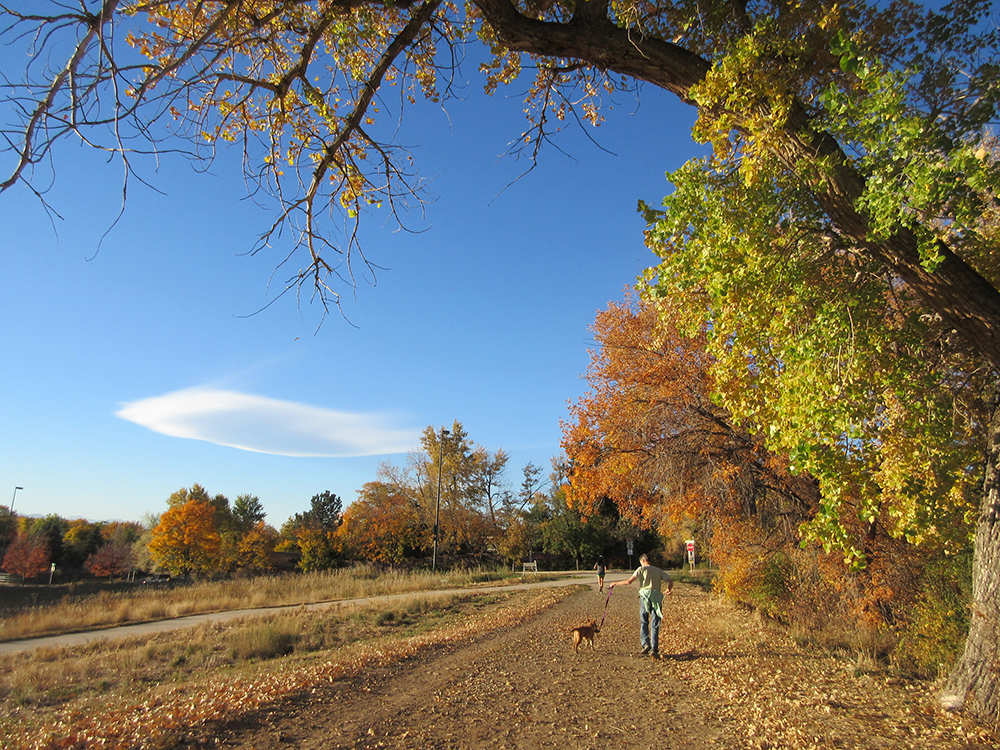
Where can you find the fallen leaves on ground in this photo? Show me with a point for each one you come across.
(508, 679)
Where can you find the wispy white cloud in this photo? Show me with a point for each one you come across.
(266, 425)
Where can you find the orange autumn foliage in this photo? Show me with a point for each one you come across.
(27, 556)
(648, 436)
(382, 525)
(253, 551)
(186, 541)
(110, 560)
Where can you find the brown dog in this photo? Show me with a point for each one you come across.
(585, 633)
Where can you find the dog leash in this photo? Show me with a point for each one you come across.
(606, 607)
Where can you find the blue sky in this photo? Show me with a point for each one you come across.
(135, 370)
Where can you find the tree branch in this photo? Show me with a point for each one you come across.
(964, 299)
(94, 25)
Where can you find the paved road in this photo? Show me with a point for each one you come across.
(177, 623)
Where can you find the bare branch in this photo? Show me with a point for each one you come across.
(94, 25)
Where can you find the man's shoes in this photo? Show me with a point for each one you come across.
(645, 650)
(655, 654)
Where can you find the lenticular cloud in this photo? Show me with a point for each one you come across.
(265, 425)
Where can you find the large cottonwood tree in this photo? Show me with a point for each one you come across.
(298, 82)
(791, 90)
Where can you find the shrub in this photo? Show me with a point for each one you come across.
(939, 619)
(266, 640)
(771, 590)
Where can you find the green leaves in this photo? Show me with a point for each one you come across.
(820, 351)
(824, 352)
(918, 174)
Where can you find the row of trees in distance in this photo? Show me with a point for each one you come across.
(391, 521)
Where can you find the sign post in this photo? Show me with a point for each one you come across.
(630, 550)
(690, 549)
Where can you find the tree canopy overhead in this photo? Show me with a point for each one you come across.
(302, 86)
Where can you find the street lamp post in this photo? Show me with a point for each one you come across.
(437, 507)
(6, 530)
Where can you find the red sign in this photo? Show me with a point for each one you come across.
(690, 546)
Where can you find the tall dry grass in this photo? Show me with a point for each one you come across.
(147, 603)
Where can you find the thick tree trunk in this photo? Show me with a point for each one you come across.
(974, 684)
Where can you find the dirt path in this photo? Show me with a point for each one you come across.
(726, 681)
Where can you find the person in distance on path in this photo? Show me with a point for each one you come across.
(650, 603)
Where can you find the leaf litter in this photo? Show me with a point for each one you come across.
(507, 678)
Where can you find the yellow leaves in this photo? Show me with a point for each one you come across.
(501, 69)
(746, 98)
(831, 19)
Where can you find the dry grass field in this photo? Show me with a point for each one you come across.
(31, 613)
(51, 695)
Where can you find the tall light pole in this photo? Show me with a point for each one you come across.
(6, 530)
(437, 508)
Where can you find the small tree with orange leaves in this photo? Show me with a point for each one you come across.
(383, 524)
(255, 547)
(27, 556)
(114, 558)
(185, 541)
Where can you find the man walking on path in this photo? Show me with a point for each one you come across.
(650, 603)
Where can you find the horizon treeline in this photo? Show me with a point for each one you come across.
(463, 487)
